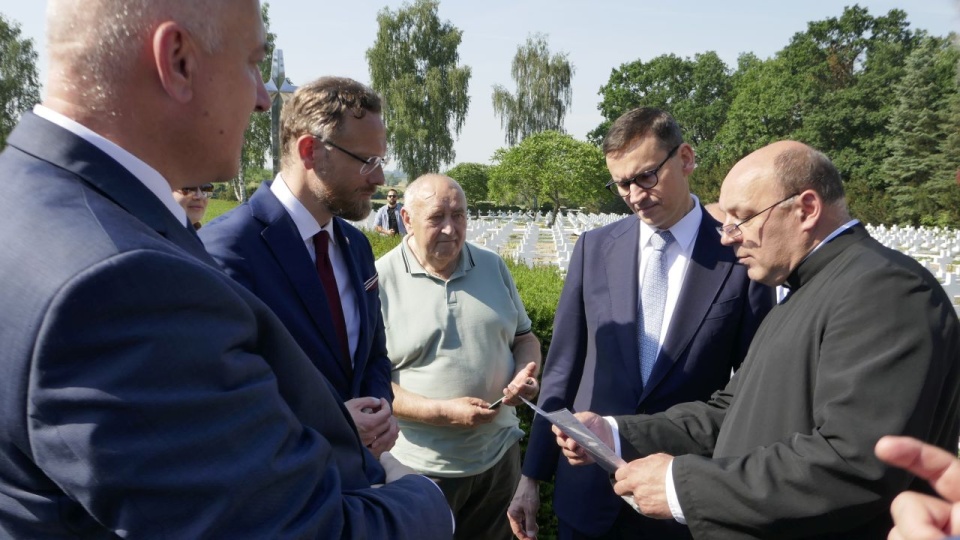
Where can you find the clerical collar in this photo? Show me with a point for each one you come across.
(819, 257)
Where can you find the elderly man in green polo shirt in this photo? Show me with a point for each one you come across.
(459, 338)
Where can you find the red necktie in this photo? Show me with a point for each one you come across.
(321, 241)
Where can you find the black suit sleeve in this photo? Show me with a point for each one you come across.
(879, 356)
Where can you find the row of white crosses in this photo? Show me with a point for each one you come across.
(524, 236)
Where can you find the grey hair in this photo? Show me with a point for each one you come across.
(413, 196)
(101, 39)
(802, 167)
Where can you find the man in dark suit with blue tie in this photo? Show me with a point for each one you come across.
(654, 312)
(332, 139)
(144, 393)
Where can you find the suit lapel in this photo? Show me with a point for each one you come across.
(56, 145)
(282, 237)
(620, 259)
(706, 273)
(356, 282)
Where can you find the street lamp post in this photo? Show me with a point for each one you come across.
(280, 91)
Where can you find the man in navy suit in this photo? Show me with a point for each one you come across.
(711, 311)
(333, 141)
(144, 393)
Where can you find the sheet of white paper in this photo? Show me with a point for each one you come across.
(568, 423)
(598, 450)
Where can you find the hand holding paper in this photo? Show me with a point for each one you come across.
(585, 438)
(583, 442)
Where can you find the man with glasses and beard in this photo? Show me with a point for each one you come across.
(291, 245)
(615, 348)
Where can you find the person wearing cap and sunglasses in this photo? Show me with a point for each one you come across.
(292, 246)
(194, 201)
(615, 349)
(387, 221)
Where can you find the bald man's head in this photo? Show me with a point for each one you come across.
(94, 44)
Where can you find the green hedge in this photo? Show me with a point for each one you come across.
(539, 288)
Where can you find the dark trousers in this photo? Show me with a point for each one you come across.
(480, 502)
(630, 525)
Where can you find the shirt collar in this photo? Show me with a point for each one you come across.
(683, 231)
(147, 175)
(464, 264)
(306, 224)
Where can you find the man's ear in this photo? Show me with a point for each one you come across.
(305, 147)
(809, 209)
(174, 54)
(405, 216)
(688, 158)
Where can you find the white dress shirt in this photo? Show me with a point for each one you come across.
(308, 227)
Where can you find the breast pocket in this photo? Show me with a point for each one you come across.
(723, 309)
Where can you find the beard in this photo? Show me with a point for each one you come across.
(352, 211)
(349, 205)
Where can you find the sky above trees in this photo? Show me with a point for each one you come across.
(321, 37)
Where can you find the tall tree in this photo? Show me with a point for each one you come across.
(765, 108)
(473, 178)
(696, 91)
(549, 165)
(543, 91)
(831, 87)
(920, 176)
(851, 65)
(413, 65)
(256, 140)
(19, 88)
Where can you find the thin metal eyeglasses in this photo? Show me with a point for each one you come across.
(644, 180)
(733, 230)
(370, 164)
(203, 191)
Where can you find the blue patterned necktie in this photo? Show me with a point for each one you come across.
(653, 298)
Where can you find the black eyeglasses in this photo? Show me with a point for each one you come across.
(370, 164)
(644, 180)
(394, 196)
(733, 230)
(203, 191)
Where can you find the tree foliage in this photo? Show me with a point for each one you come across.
(543, 91)
(473, 178)
(697, 92)
(549, 165)
(919, 173)
(256, 140)
(413, 65)
(843, 85)
(19, 87)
